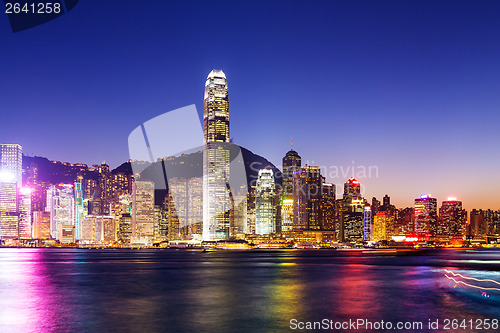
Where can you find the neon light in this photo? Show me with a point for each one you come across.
(470, 285)
(425, 196)
(452, 198)
(471, 278)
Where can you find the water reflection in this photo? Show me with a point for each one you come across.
(57, 290)
(29, 302)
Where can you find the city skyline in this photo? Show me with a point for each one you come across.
(345, 86)
(102, 206)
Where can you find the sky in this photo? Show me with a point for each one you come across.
(409, 88)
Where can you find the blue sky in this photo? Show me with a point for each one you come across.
(412, 87)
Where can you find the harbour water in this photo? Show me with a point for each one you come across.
(78, 290)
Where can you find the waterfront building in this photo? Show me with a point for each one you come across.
(291, 164)
(41, 225)
(143, 194)
(383, 226)
(24, 208)
(327, 207)
(265, 212)
(10, 182)
(216, 154)
(61, 206)
(426, 215)
(451, 218)
(307, 198)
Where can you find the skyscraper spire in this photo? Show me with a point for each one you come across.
(291, 143)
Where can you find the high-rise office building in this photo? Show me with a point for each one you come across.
(426, 215)
(367, 224)
(9, 219)
(95, 204)
(89, 229)
(328, 207)
(11, 163)
(61, 205)
(383, 226)
(25, 227)
(352, 189)
(307, 198)
(41, 225)
(79, 210)
(265, 212)
(11, 159)
(353, 212)
(291, 163)
(480, 219)
(451, 218)
(216, 155)
(286, 215)
(404, 221)
(125, 228)
(143, 202)
(353, 220)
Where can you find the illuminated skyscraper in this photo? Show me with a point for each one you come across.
(327, 206)
(61, 205)
(25, 231)
(11, 163)
(9, 218)
(216, 155)
(286, 215)
(291, 163)
(143, 203)
(352, 189)
(383, 226)
(353, 218)
(451, 218)
(307, 198)
(426, 215)
(265, 215)
(79, 211)
(11, 160)
(353, 212)
(41, 225)
(367, 224)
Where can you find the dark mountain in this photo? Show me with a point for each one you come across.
(54, 172)
(186, 166)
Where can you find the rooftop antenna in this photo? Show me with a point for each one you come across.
(291, 142)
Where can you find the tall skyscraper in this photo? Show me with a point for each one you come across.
(216, 155)
(426, 215)
(383, 226)
(11, 160)
(451, 218)
(25, 229)
(352, 189)
(61, 205)
(11, 163)
(328, 206)
(291, 163)
(41, 225)
(367, 224)
(265, 213)
(79, 211)
(308, 184)
(143, 205)
(353, 212)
